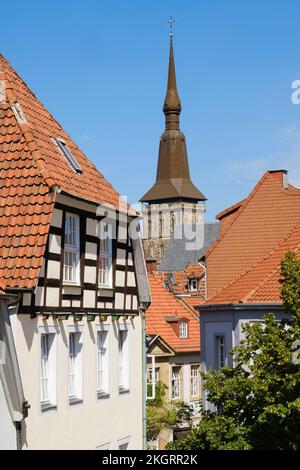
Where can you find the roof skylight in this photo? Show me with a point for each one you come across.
(61, 144)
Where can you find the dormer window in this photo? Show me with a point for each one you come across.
(61, 144)
(193, 285)
(183, 329)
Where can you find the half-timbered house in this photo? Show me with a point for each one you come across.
(79, 280)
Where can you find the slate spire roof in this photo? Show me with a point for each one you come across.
(32, 170)
(173, 180)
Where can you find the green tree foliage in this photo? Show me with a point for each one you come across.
(257, 403)
(162, 414)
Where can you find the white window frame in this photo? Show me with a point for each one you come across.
(124, 360)
(105, 254)
(106, 446)
(151, 379)
(172, 380)
(123, 442)
(191, 287)
(75, 365)
(221, 359)
(49, 401)
(183, 328)
(103, 389)
(72, 250)
(194, 378)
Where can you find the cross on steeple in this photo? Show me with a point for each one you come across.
(171, 22)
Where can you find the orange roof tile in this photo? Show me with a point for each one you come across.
(25, 207)
(31, 169)
(264, 218)
(38, 133)
(260, 283)
(164, 304)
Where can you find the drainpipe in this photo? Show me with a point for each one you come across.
(144, 368)
(13, 300)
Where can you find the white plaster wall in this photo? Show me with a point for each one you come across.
(7, 428)
(95, 421)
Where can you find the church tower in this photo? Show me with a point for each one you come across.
(173, 200)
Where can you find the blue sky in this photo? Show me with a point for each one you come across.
(100, 67)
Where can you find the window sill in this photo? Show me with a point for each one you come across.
(71, 284)
(101, 395)
(123, 390)
(48, 406)
(75, 401)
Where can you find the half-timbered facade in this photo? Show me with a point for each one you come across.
(81, 273)
(71, 256)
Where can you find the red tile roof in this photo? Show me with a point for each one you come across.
(91, 184)
(164, 304)
(260, 283)
(31, 167)
(264, 218)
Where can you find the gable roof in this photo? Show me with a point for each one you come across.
(91, 184)
(32, 169)
(258, 225)
(164, 304)
(260, 283)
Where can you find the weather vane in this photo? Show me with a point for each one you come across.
(171, 22)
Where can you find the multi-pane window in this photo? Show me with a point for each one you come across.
(123, 366)
(105, 256)
(48, 370)
(71, 249)
(183, 329)
(102, 363)
(221, 351)
(194, 381)
(175, 383)
(193, 285)
(153, 377)
(75, 367)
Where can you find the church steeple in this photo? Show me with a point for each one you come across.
(172, 105)
(173, 181)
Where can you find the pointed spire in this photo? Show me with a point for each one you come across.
(172, 105)
(173, 180)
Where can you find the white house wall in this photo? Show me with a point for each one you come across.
(8, 437)
(94, 422)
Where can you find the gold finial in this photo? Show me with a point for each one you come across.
(171, 22)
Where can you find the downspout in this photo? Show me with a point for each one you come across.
(144, 388)
(11, 300)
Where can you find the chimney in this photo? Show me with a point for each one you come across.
(285, 182)
(151, 264)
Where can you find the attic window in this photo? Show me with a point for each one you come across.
(183, 329)
(61, 144)
(172, 279)
(193, 285)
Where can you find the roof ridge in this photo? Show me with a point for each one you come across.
(13, 82)
(238, 213)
